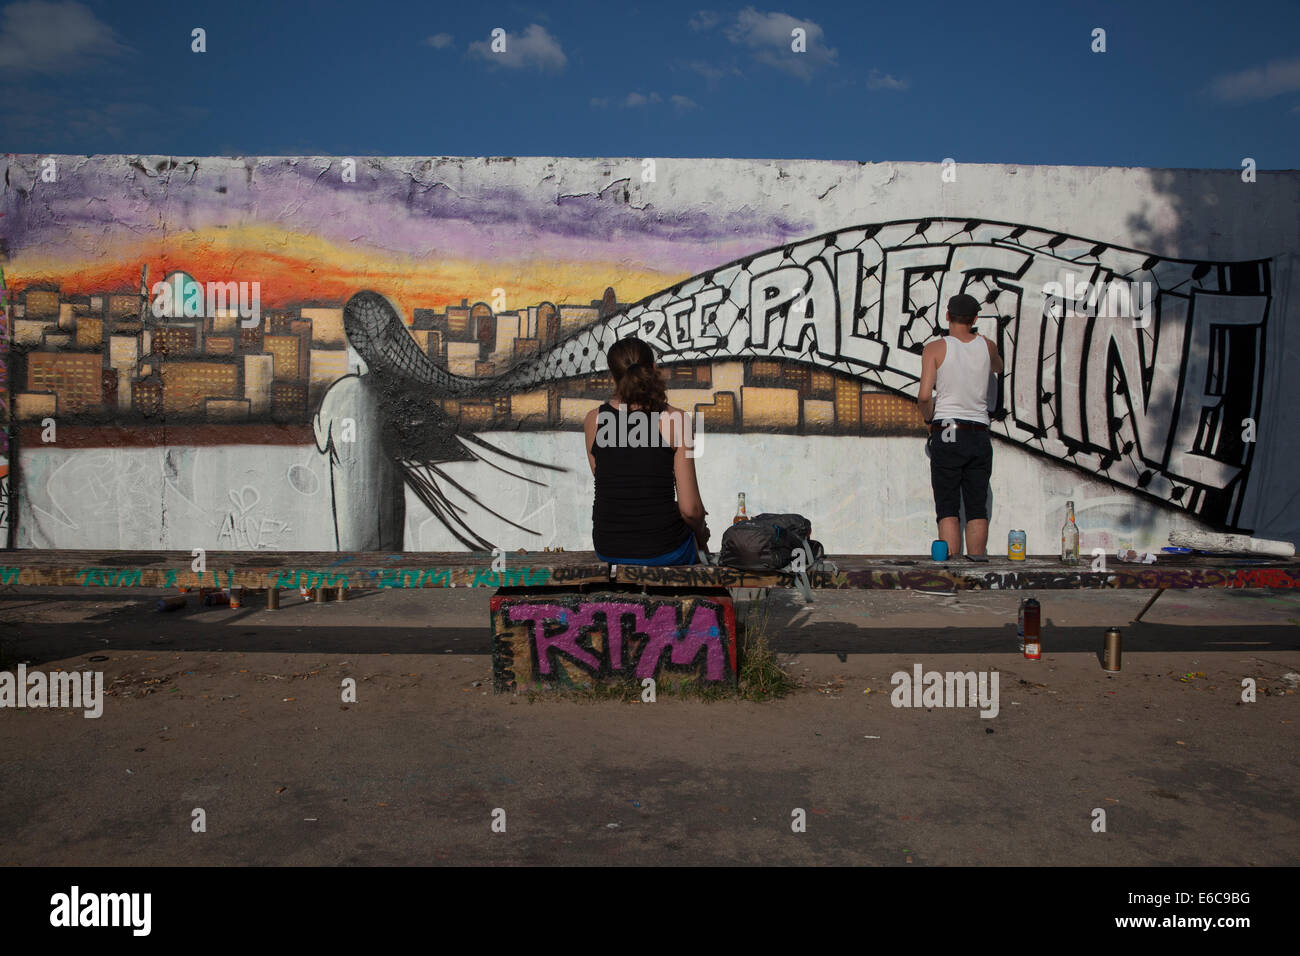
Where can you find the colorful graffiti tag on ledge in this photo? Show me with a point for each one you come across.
(568, 640)
(266, 570)
(880, 574)
(57, 569)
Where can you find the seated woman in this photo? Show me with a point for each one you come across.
(637, 448)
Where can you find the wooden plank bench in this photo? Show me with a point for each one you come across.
(896, 572)
(564, 618)
(262, 570)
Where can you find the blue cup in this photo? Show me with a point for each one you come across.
(939, 550)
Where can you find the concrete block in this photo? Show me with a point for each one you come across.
(545, 638)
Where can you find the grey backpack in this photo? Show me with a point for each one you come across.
(773, 542)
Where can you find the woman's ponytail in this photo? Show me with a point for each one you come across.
(636, 380)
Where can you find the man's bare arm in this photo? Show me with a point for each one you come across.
(929, 373)
(995, 360)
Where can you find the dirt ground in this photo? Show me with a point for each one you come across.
(238, 713)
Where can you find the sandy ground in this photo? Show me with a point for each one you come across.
(239, 714)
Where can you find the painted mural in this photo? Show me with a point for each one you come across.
(391, 341)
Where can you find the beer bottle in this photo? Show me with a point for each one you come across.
(740, 509)
(1069, 537)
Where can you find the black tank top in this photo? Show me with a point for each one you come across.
(635, 514)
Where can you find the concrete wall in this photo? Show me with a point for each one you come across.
(1165, 408)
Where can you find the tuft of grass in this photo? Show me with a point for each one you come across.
(761, 674)
(621, 692)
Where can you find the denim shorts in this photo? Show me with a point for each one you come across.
(678, 556)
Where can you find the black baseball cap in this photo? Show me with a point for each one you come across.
(963, 305)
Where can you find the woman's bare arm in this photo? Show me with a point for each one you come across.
(689, 502)
(589, 430)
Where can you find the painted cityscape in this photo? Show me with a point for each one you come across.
(110, 358)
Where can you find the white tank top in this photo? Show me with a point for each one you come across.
(962, 384)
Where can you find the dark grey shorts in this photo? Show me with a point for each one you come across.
(959, 472)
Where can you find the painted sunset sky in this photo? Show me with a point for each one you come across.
(425, 232)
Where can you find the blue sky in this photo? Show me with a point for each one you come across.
(1181, 84)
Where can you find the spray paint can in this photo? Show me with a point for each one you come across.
(1020, 625)
(236, 597)
(1112, 654)
(1033, 621)
(174, 603)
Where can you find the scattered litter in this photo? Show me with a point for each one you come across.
(281, 789)
(1180, 743)
(103, 657)
(308, 819)
(611, 826)
(287, 699)
(869, 737)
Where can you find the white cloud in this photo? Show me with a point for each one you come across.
(684, 102)
(44, 37)
(534, 48)
(704, 20)
(885, 81)
(1259, 83)
(769, 36)
(439, 41)
(637, 99)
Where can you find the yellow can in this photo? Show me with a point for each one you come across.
(1016, 542)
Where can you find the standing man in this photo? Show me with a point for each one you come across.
(953, 396)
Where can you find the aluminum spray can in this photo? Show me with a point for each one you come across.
(1112, 654)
